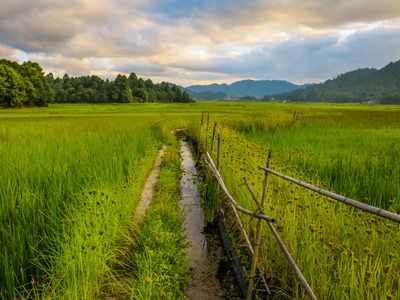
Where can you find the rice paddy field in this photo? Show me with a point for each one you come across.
(71, 177)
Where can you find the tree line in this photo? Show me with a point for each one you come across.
(27, 85)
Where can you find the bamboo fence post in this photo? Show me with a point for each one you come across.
(260, 208)
(206, 133)
(213, 137)
(219, 205)
(253, 196)
(261, 216)
(200, 135)
(218, 150)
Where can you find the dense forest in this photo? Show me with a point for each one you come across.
(27, 85)
(363, 85)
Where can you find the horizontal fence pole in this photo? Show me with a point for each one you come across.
(354, 203)
(214, 170)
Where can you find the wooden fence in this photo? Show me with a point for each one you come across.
(262, 217)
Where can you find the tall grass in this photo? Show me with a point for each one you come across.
(343, 253)
(159, 261)
(70, 177)
(354, 161)
(66, 188)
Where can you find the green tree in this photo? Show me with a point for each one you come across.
(42, 93)
(12, 87)
(121, 83)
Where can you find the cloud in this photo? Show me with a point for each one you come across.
(7, 52)
(307, 59)
(307, 12)
(200, 40)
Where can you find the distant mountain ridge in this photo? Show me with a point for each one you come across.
(362, 85)
(242, 89)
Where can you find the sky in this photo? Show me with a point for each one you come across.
(202, 41)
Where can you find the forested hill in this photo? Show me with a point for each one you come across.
(363, 85)
(27, 85)
(241, 89)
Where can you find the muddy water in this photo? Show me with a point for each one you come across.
(148, 190)
(203, 282)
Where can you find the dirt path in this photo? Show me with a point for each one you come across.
(203, 282)
(148, 190)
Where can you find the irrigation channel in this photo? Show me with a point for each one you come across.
(203, 271)
(209, 276)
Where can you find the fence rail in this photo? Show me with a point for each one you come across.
(210, 163)
(261, 216)
(259, 213)
(354, 203)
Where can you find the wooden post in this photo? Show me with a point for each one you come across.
(219, 205)
(257, 243)
(206, 133)
(218, 150)
(213, 137)
(200, 135)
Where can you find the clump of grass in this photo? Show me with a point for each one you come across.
(160, 261)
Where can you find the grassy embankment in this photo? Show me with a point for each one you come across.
(159, 260)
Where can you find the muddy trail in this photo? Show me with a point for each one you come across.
(205, 253)
(148, 190)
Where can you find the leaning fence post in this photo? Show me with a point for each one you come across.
(257, 243)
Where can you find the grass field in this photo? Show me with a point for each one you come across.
(71, 176)
(160, 257)
(343, 253)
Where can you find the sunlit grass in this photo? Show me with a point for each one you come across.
(160, 262)
(343, 253)
(71, 175)
(66, 187)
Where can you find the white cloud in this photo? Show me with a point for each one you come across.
(198, 41)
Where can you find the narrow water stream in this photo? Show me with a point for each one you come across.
(203, 281)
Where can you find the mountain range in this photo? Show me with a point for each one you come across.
(242, 89)
(362, 85)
